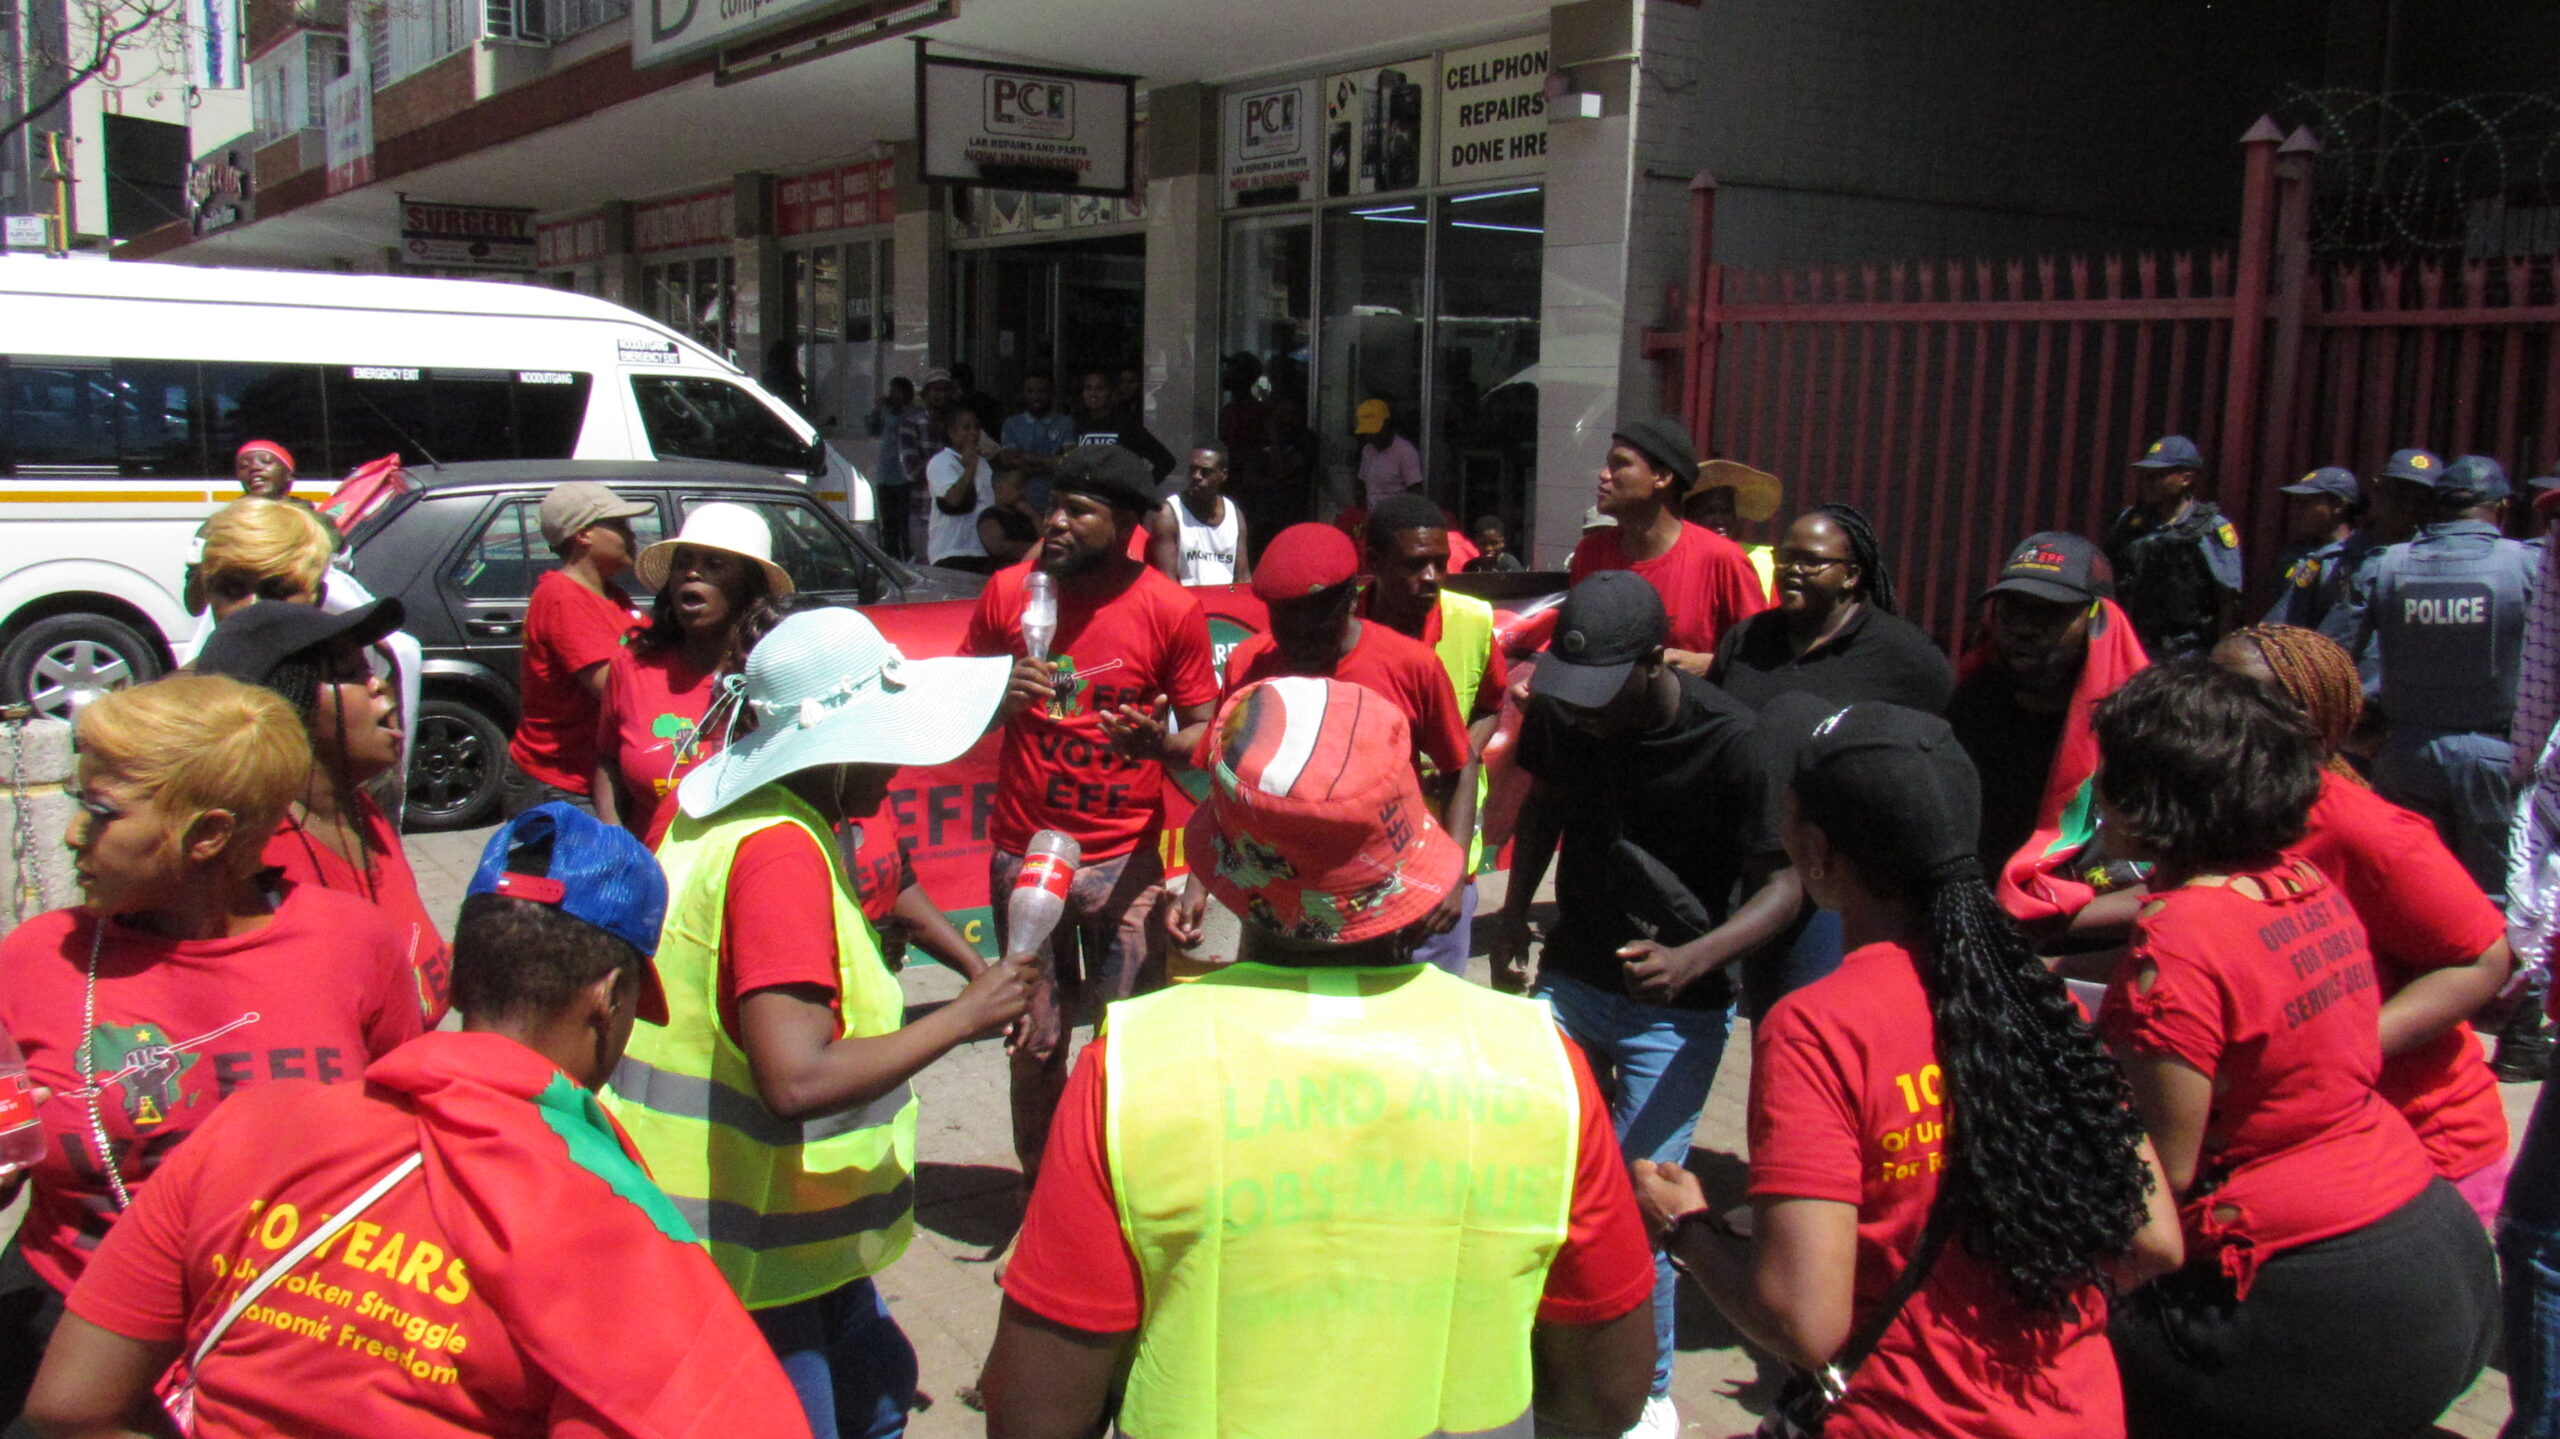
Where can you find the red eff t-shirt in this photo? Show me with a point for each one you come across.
(2276, 1001)
(1400, 669)
(317, 992)
(1073, 1264)
(567, 627)
(378, 1332)
(1848, 1104)
(1055, 769)
(875, 858)
(1705, 580)
(651, 700)
(2421, 911)
(391, 888)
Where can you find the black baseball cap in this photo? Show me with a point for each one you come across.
(255, 639)
(1110, 473)
(1666, 443)
(2171, 452)
(2055, 565)
(1609, 624)
(1902, 776)
(2476, 475)
(2334, 480)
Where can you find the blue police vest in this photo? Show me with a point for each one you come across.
(2448, 609)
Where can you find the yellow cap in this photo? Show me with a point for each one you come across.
(1370, 418)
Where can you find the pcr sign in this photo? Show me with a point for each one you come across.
(1025, 127)
(1270, 145)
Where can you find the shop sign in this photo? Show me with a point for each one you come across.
(1373, 122)
(465, 237)
(348, 103)
(1271, 145)
(839, 197)
(558, 244)
(1025, 127)
(663, 31)
(212, 40)
(682, 223)
(1493, 111)
(219, 194)
(30, 232)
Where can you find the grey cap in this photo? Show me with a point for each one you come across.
(575, 504)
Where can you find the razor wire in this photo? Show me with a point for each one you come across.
(2413, 174)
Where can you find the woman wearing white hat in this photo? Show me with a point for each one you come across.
(659, 687)
(773, 1106)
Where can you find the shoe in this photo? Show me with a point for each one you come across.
(2522, 1058)
(1660, 1421)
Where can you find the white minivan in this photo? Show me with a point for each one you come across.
(126, 388)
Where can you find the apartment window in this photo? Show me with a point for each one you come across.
(576, 17)
(519, 22)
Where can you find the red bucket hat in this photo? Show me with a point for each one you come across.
(1315, 827)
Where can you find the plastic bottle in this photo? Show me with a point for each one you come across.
(21, 1137)
(1039, 618)
(1040, 891)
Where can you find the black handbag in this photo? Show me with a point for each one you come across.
(1807, 1398)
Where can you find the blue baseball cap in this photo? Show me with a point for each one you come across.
(592, 871)
(2171, 452)
(2418, 467)
(2475, 475)
(2327, 480)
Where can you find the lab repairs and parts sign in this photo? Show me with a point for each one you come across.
(466, 237)
(1025, 127)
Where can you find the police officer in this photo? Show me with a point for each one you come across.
(2443, 617)
(2322, 509)
(2403, 499)
(2177, 559)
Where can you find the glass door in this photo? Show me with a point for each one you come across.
(1490, 249)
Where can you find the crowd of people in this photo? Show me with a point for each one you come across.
(2111, 987)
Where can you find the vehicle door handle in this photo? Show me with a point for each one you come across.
(494, 624)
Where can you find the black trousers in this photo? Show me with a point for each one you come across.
(2370, 1335)
(29, 1310)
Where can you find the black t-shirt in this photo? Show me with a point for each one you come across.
(1695, 796)
(2013, 749)
(1876, 656)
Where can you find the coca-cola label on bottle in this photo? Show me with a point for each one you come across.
(1045, 871)
(17, 1103)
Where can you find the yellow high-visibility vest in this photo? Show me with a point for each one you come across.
(789, 1209)
(1344, 1188)
(1466, 652)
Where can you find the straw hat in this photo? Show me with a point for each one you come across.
(826, 689)
(718, 525)
(1756, 493)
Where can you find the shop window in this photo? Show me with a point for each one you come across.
(1371, 332)
(700, 419)
(1486, 289)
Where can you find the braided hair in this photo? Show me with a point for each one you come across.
(2044, 1178)
(299, 679)
(1875, 581)
(2318, 674)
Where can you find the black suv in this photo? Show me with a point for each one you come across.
(463, 545)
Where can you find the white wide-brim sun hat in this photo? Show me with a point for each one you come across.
(827, 689)
(718, 525)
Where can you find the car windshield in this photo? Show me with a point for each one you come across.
(704, 419)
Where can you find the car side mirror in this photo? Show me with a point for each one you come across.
(817, 456)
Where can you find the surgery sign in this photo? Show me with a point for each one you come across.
(1025, 127)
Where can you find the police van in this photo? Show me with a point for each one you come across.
(125, 389)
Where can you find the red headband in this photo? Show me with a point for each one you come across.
(269, 447)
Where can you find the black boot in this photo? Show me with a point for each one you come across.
(2524, 1040)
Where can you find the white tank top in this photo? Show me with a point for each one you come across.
(1208, 551)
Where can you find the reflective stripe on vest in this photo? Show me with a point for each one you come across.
(1344, 1188)
(1466, 652)
(788, 1209)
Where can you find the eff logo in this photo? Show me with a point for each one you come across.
(1032, 106)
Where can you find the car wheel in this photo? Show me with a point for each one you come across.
(458, 767)
(62, 662)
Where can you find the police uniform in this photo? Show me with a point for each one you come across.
(2440, 622)
(2171, 577)
(2312, 578)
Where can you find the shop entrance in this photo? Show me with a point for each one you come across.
(1060, 309)
(835, 322)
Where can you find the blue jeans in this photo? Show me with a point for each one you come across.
(1656, 1065)
(1449, 951)
(2529, 1276)
(848, 1361)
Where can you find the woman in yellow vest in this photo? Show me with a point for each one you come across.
(1327, 1190)
(773, 1105)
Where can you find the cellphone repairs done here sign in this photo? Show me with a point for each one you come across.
(1493, 111)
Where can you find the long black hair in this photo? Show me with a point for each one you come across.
(1875, 580)
(300, 679)
(2044, 1179)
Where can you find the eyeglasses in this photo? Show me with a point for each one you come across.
(1804, 560)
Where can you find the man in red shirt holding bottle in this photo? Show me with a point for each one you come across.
(1705, 580)
(576, 621)
(1083, 751)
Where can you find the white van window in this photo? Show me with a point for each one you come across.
(692, 418)
(448, 416)
(251, 401)
(98, 417)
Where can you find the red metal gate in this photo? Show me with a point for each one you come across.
(1962, 405)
